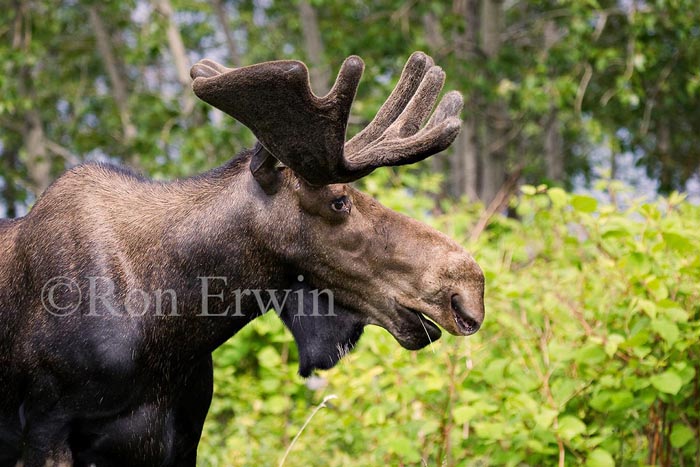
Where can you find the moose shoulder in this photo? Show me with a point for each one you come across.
(115, 289)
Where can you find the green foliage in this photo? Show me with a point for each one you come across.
(590, 346)
(616, 75)
(589, 353)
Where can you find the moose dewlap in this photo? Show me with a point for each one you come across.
(115, 289)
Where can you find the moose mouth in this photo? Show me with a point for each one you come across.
(417, 331)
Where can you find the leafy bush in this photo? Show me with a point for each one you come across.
(588, 356)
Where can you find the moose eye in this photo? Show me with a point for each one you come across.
(341, 204)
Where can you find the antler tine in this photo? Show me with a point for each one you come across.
(412, 75)
(399, 140)
(274, 99)
(207, 68)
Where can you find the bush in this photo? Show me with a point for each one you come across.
(588, 356)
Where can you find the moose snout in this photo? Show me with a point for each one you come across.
(466, 293)
(467, 315)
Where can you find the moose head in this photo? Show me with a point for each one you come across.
(382, 267)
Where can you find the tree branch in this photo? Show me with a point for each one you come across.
(70, 158)
(320, 76)
(32, 130)
(177, 50)
(583, 85)
(651, 101)
(222, 18)
(499, 202)
(119, 92)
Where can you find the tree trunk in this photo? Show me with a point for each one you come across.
(456, 180)
(37, 161)
(439, 163)
(493, 162)
(493, 156)
(119, 92)
(554, 148)
(465, 177)
(433, 34)
(465, 173)
(553, 138)
(663, 153)
(491, 26)
(9, 192)
(222, 18)
(320, 76)
(178, 52)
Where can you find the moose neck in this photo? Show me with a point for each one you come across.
(207, 244)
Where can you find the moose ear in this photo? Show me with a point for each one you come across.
(323, 330)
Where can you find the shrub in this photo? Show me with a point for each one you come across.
(588, 356)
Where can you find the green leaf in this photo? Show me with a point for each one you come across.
(491, 431)
(636, 263)
(269, 357)
(584, 203)
(570, 426)
(545, 418)
(601, 401)
(612, 343)
(277, 404)
(668, 382)
(678, 242)
(600, 458)
(558, 196)
(621, 400)
(685, 370)
(680, 435)
(528, 190)
(375, 415)
(658, 289)
(590, 354)
(463, 414)
(494, 372)
(673, 311)
(666, 329)
(403, 447)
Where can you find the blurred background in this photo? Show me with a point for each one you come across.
(574, 181)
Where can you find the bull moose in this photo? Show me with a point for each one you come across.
(88, 381)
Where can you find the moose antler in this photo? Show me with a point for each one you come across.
(307, 133)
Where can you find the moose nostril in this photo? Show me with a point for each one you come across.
(467, 321)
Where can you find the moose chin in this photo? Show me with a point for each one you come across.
(104, 387)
